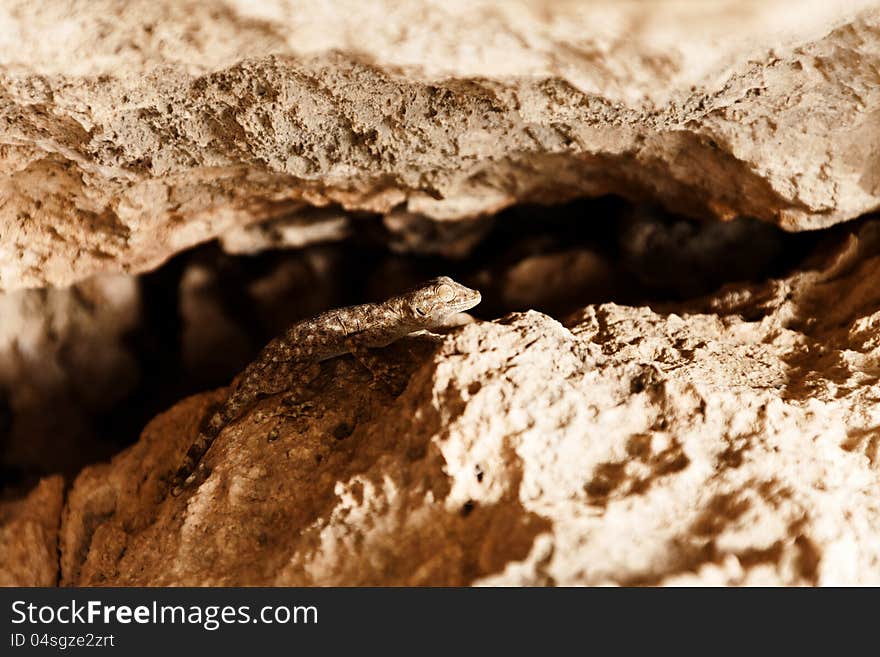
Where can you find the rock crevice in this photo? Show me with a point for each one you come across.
(684, 399)
(109, 170)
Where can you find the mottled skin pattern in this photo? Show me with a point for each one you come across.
(330, 334)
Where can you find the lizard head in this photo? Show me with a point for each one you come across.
(432, 302)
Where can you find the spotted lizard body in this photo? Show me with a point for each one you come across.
(325, 336)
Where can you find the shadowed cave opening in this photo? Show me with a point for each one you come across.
(206, 313)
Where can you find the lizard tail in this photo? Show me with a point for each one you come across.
(244, 395)
(207, 434)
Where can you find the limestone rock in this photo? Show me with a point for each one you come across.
(29, 536)
(130, 131)
(729, 441)
(300, 228)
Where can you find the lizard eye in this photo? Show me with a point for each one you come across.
(445, 293)
(420, 312)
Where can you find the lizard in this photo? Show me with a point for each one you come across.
(352, 329)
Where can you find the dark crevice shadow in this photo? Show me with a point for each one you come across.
(554, 259)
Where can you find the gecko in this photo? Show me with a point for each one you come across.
(328, 335)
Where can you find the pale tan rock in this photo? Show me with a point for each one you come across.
(729, 441)
(133, 130)
(299, 229)
(29, 535)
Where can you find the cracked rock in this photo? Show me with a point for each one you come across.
(629, 446)
(29, 535)
(131, 131)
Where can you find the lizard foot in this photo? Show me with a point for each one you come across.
(180, 484)
(380, 372)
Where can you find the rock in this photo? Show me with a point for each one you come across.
(299, 287)
(306, 445)
(730, 440)
(688, 259)
(557, 282)
(213, 345)
(29, 535)
(63, 362)
(416, 233)
(337, 152)
(132, 131)
(299, 229)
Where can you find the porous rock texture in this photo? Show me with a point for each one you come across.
(733, 439)
(29, 536)
(132, 130)
(730, 441)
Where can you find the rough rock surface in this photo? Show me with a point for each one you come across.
(732, 441)
(29, 536)
(132, 130)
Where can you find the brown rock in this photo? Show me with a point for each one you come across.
(417, 233)
(131, 131)
(732, 441)
(29, 536)
(63, 361)
(257, 520)
(206, 328)
(551, 281)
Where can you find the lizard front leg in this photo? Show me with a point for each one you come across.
(377, 366)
